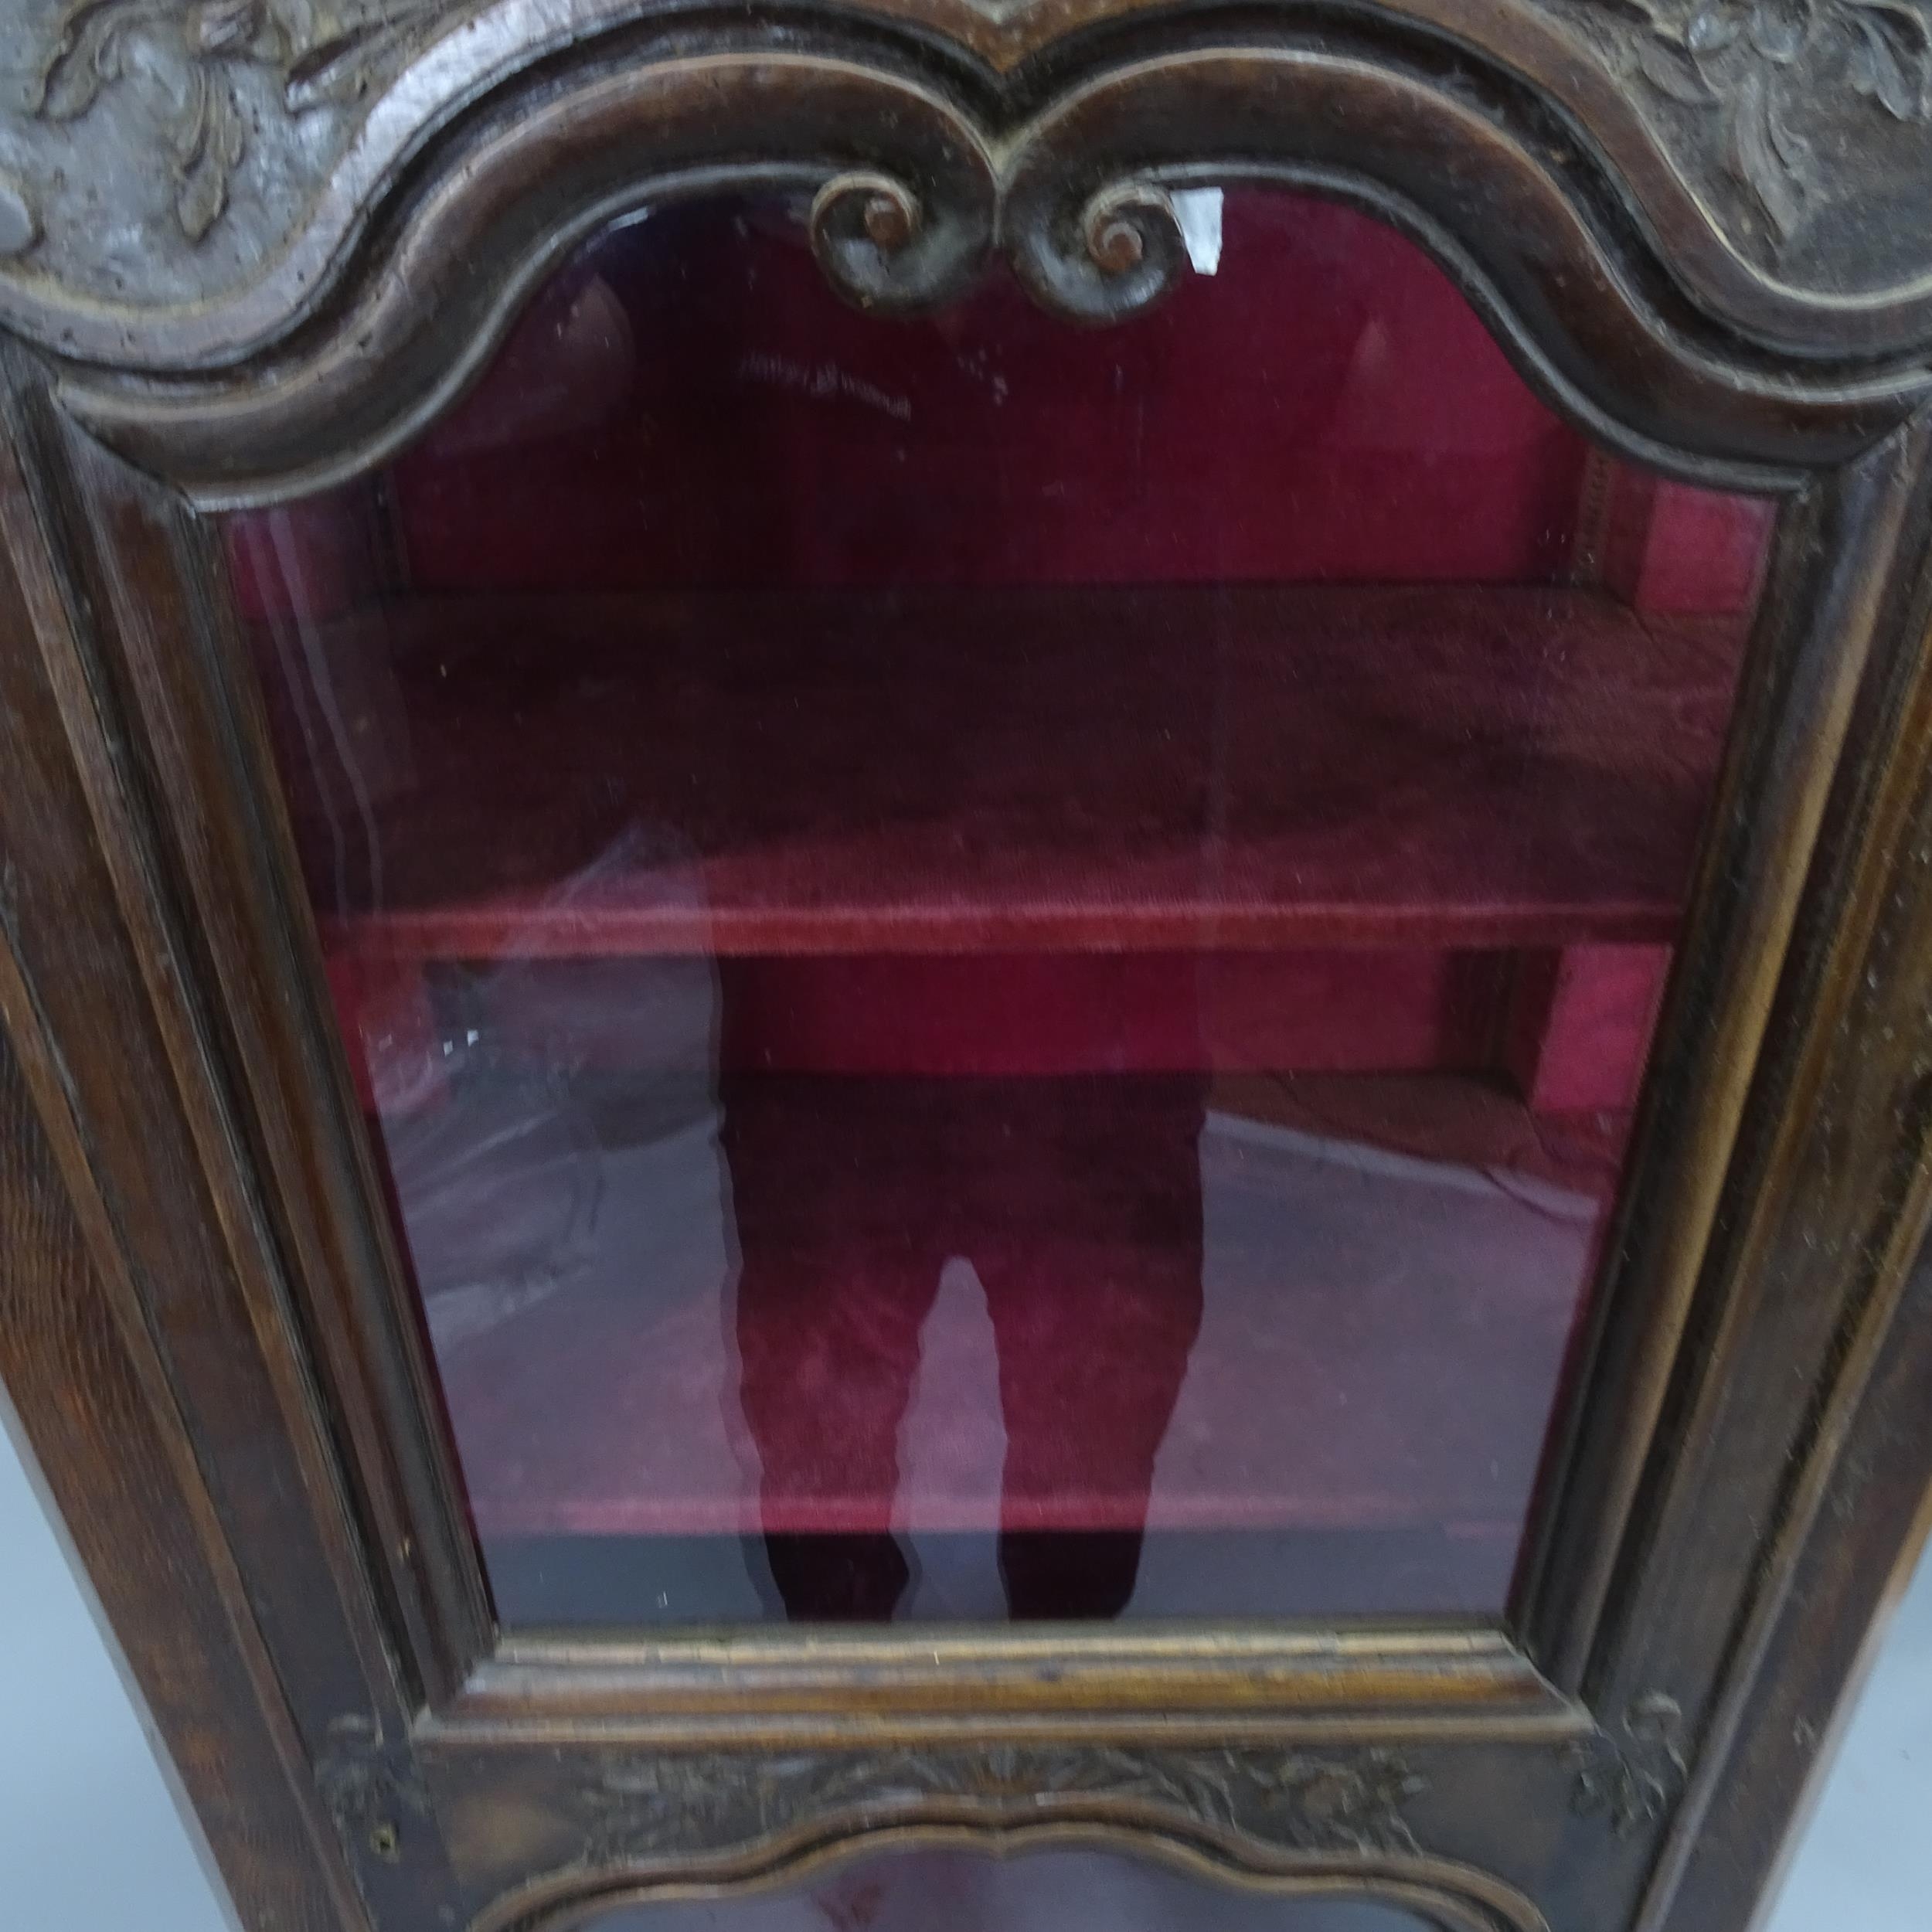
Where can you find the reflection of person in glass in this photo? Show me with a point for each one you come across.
(1080, 1210)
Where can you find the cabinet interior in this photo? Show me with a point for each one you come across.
(831, 836)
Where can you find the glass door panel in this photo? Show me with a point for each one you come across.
(999, 969)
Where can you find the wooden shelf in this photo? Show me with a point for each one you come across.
(1109, 769)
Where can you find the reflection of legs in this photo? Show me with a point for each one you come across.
(828, 1326)
(1096, 1314)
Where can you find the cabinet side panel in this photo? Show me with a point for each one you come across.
(105, 1007)
(119, 1474)
(1779, 1391)
(1828, 1632)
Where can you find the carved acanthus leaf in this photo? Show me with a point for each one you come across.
(191, 57)
(1752, 64)
(1633, 1776)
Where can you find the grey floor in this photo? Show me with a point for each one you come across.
(73, 1751)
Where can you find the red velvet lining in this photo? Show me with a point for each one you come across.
(693, 405)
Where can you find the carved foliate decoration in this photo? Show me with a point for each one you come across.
(194, 57)
(161, 152)
(1632, 1775)
(182, 182)
(1286, 1800)
(1778, 99)
(1750, 63)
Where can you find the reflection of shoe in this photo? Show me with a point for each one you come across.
(839, 1579)
(1059, 1574)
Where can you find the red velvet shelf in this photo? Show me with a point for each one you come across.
(1384, 1273)
(1117, 769)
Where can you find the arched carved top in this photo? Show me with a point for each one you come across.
(386, 304)
(181, 179)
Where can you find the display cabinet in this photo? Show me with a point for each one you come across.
(965, 964)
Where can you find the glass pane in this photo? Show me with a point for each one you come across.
(1059, 1891)
(1000, 967)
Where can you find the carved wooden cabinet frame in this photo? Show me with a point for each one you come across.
(249, 246)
